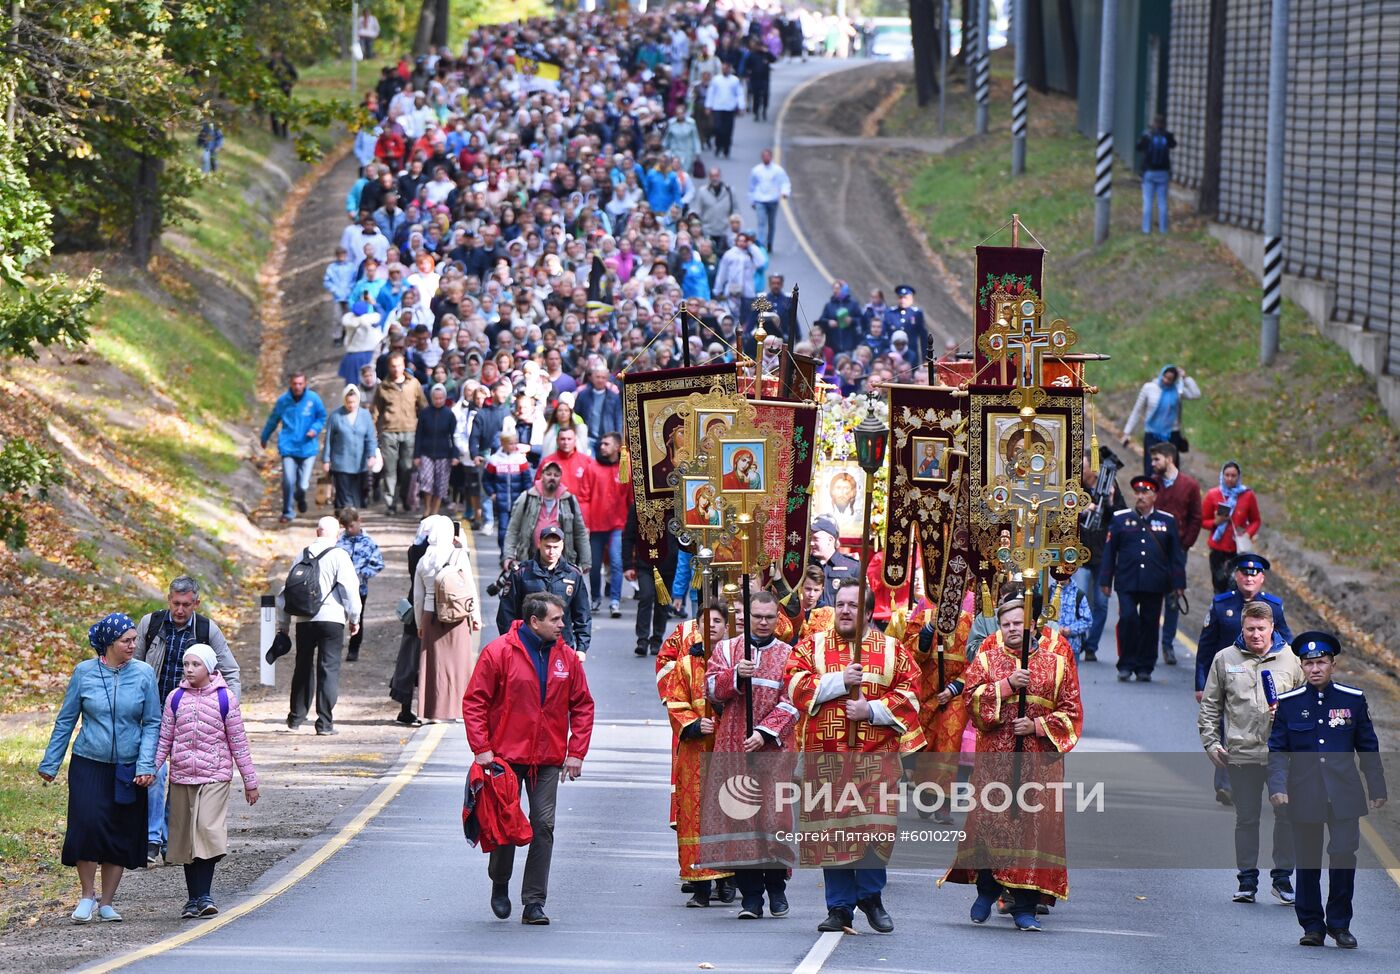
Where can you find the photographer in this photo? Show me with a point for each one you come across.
(1105, 499)
(549, 572)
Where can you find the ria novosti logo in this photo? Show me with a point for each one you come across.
(740, 797)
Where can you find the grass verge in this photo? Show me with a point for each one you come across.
(1305, 427)
(31, 826)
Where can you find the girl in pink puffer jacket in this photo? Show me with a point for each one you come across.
(201, 733)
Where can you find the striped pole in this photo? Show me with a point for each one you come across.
(1273, 185)
(1018, 93)
(1103, 154)
(983, 82)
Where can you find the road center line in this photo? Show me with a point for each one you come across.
(817, 956)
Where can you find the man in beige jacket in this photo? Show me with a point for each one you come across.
(1235, 691)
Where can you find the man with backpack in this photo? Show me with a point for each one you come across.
(549, 572)
(1156, 145)
(161, 640)
(322, 594)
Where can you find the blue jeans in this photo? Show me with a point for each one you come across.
(1154, 185)
(846, 887)
(1086, 582)
(767, 214)
(296, 481)
(612, 542)
(157, 818)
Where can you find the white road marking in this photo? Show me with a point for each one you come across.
(817, 956)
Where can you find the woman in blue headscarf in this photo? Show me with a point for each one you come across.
(1159, 407)
(114, 761)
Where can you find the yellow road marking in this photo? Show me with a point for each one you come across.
(303, 869)
(784, 204)
(1383, 852)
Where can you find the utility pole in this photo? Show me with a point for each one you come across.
(1273, 184)
(983, 83)
(1103, 155)
(946, 40)
(1018, 93)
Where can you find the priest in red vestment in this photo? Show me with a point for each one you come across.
(1021, 854)
(821, 674)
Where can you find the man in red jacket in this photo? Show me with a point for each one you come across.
(604, 499)
(1179, 496)
(573, 467)
(528, 705)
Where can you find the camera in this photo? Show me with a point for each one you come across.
(501, 585)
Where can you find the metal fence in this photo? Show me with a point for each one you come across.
(1342, 157)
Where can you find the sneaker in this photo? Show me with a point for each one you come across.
(83, 914)
(614, 609)
(595, 605)
(1144, 677)
(1090, 656)
(1124, 676)
(207, 907)
(725, 890)
(778, 904)
(489, 527)
(108, 914)
(1168, 656)
(1244, 895)
(751, 911)
(699, 899)
(301, 501)
(1027, 923)
(152, 853)
(1283, 892)
(326, 732)
(191, 910)
(1225, 796)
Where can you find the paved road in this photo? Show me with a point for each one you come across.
(408, 893)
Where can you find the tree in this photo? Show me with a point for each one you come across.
(926, 36)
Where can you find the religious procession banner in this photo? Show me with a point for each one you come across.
(1024, 476)
(658, 437)
(928, 495)
(1001, 271)
(794, 428)
(838, 483)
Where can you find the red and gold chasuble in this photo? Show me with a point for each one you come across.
(850, 832)
(675, 646)
(687, 704)
(943, 726)
(1024, 851)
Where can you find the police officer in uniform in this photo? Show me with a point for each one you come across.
(1222, 628)
(1144, 560)
(549, 572)
(1322, 718)
(908, 318)
(838, 568)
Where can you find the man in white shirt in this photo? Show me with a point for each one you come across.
(322, 634)
(768, 185)
(725, 100)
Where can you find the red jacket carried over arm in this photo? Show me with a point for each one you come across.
(502, 710)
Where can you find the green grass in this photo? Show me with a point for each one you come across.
(1301, 429)
(31, 823)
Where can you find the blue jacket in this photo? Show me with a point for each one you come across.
(1310, 723)
(505, 483)
(695, 281)
(1143, 554)
(92, 689)
(349, 443)
(298, 417)
(600, 411)
(663, 189)
(1224, 621)
(339, 279)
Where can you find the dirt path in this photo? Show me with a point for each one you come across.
(306, 780)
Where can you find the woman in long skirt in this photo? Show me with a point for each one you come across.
(448, 649)
(112, 766)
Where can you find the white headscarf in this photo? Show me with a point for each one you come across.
(440, 546)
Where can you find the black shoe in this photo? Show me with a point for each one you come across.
(152, 853)
(301, 501)
(294, 722)
(687, 887)
(751, 911)
(351, 657)
(725, 890)
(1225, 796)
(1090, 656)
(1342, 937)
(640, 651)
(699, 899)
(875, 914)
(408, 718)
(534, 915)
(1168, 656)
(838, 919)
(1124, 676)
(500, 900)
(778, 904)
(1144, 677)
(1312, 938)
(1283, 892)
(326, 732)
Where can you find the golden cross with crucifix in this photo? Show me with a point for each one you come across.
(1019, 329)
